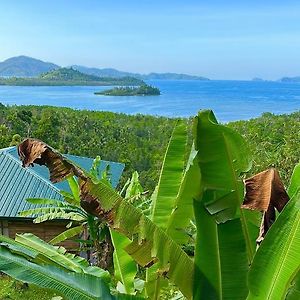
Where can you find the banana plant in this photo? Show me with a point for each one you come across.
(69, 209)
(171, 207)
(148, 243)
(31, 260)
(125, 268)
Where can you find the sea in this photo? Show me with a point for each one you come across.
(230, 100)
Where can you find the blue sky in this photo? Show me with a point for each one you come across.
(218, 39)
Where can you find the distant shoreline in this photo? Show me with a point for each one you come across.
(66, 83)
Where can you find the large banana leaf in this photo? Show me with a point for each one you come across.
(47, 201)
(164, 200)
(225, 236)
(295, 181)
(170, 176)
(221, 264)
(125, 268)
(294, 290)
(183, 209)
(59, 214)
(48, 210)
(73, 184)
(67, 234)
(154, 282)
(18, 248)
(72, 285)
(294, 187)
(49, 205)
(277, 260)
(149, 242)
(223, 156)
(133, 189)
(58, 256)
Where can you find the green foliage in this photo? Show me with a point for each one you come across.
(222, 228)
(170, 176)
(164, 199)
(142, 90)
(138, 141)
(67, 74)
(211, 185)
(273, 141)
(277, 260)
(16, 140)
(125, 268)
(294, 182)
(47, 274)
(148, 242)
(58, 256)
(67, 234)
(14, 290)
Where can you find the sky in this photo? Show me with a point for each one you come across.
(213, 38)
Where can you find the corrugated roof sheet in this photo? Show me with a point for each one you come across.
(18, 184)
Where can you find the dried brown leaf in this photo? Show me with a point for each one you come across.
(265, 192)
(35, 151)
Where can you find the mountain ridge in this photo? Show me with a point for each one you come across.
(25, 66)
(111, 72)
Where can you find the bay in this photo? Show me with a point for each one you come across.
(230, 100)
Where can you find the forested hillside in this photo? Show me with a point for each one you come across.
(140, 141)
(273, 140)
(68, 76)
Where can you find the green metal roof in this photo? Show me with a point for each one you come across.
(18, 184)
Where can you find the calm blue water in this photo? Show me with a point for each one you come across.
(231, 100)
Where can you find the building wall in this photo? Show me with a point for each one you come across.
(46, 230)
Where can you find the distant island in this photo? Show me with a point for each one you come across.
(68, 77)
(143, 90)
(290, 79)
(24, 66)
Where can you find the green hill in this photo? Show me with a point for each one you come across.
(68, 76)
(64, 74)
(24, 66)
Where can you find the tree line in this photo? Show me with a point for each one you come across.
(140, 141)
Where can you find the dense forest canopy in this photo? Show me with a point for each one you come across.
(140, 141)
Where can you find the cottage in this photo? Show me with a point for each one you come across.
(18, 184)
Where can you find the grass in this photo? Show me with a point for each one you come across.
(11, 289)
